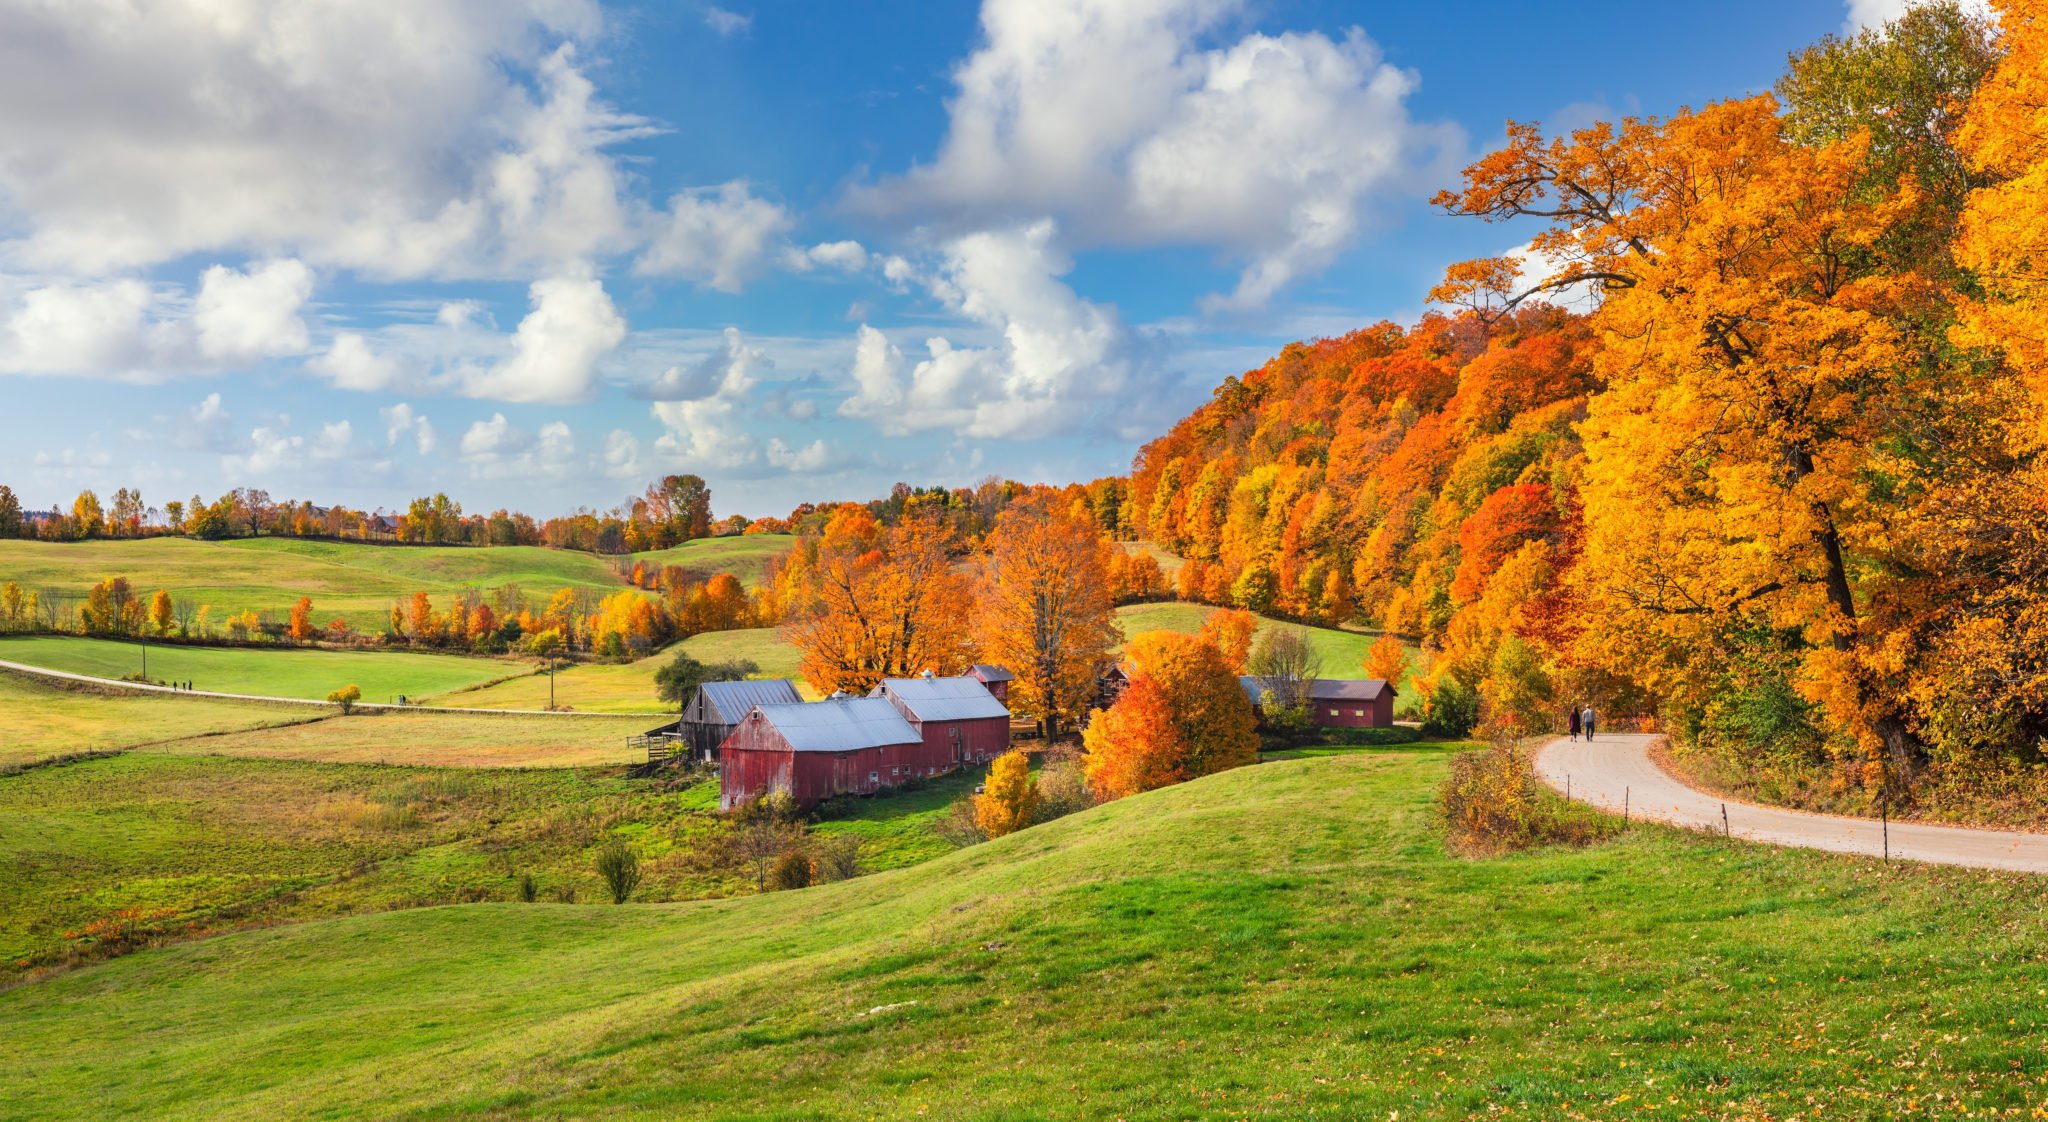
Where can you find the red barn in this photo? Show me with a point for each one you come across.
(956, 717)
(1337, 702)
(815, 750)
(995, 678)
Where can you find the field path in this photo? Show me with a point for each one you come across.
(1618, 765)
(144, 687)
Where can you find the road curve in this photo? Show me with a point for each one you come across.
(1617, 767)
(145, 687)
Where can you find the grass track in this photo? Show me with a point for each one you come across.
(269, 672)
(1284, 940)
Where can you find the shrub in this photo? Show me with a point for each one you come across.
(1453, 711)
(528, 890)
(791, 870)
(346, 697)
(1062, 785)
(958, 827)
(837, 857)
(619, 865)
(1492, 804)
(1009, 800)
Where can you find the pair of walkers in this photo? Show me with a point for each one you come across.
(1581, 721)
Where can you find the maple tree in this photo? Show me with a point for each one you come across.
(868, 602)
(1386, 660)
(1044, 609)
(1230, 631)
(160, 613)
(300, 627)
(1184, 716)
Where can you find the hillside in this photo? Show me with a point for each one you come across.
(307, 673)
(1272, 942)
(351, 580)
(629, 687)
(1342, 651)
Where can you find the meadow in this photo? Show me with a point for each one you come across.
(1342, 651)
(430, 740)
(266, 671)
(628, 687)
(1280, 941)
(350, 580)
(38, 720)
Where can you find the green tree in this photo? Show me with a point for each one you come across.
(10, 513)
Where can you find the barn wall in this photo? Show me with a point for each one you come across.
(1377, 713)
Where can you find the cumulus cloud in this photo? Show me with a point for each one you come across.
(400, 421)
(621, 455)
(715, 236)
(499, 449)
(728, 372)
(811, 458)
(271, 449)
(132, 329)
(845, 256)
(1116, 119)
(1871, 14)
(350, 363)
(556, 348)
(1057, 362)
(240, 317)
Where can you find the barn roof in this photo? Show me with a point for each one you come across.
(988, 673)
(944, 699)
(733, 700)
(1323, 689)
(839, 725)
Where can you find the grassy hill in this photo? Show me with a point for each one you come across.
(269, 671)
(629, 687)
(353, 580)
(1282, 941)
(38, 721)
(1342, 651)
(457, 740)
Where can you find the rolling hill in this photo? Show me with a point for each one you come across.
(1281, 941)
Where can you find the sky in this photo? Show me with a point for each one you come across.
(537, 253)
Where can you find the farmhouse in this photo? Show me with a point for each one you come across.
(716, 708)
(1336, 702)
(995, 678)
(957, 717)
(814, 750)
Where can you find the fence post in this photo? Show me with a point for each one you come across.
(1624, 806)
(1884, 817)
(1724, 821)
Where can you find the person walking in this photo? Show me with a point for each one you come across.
(1572, 725)
(1586, 720)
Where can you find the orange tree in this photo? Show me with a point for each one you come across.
(1045, 609)
(868, 602)
(1184, 716)
(1230, 631)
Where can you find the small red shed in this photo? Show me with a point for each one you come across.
(814, 750)
(957, 718)
(1337, 702)
(995, 678)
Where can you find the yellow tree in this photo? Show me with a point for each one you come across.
(1009, 800)
(1184, 716)
(1386, 660)
(160, 616)
(880, 603)
(1045, 611)
(1230, 631)
(2004, 235)
(1752, 355)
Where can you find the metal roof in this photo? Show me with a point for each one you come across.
(943, 699)
(841, 725)
(1323, 689)
(733, 700)
(988, 673)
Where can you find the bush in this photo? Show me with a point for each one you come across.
(1374, 738)
(837, 857)
(791, 870)
(1009, 800)
(958, 827)
(1453, 711)
(528, 890)
(346, 697)
(1062, 785)
(1493, 804)
(619, 865)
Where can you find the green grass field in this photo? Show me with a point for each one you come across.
(431, 740)
(352, 580)
(628, 687)
(38, 720)
(269, 672)
(1284, 941)
(1343, 652)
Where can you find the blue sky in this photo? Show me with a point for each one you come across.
(535, 253)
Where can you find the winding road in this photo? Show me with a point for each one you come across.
(1616, 768)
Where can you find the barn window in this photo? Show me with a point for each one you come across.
(1358, 712)
(1336, 712)
(874, 777)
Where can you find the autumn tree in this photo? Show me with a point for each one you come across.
(1045, 611)
(1184, 716)
(87, 520)
(1286, 664)
(10, 513)
(871, 602)
(1230, 631)
(160, 617)
(300, 627)
(1387, 660)
(1009, 800)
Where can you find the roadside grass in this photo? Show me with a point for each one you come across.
(746, 556)
(1280, 941)
(354, 581)
(1342, 651)
(628, 687)
(40, 721)
(265, 671)
(433, 740)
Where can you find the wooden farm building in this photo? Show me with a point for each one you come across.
(1336, 702)
(995, 678)
(718, 706)
(815, 750)
(956, 717)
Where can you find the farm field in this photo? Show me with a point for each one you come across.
(268, 671)
(1278, 941)
(432, 740)
(352, 580)
(38, 721)
(1343, 652)
(746, 556)
(628, 687)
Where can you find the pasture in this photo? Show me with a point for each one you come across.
(1281, 941)
(38, 720)
(432, 740)
(628, 687)
(746, 556)
(264, 671)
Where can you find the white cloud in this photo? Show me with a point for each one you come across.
(67, 327)
(126, 328)
(351, 364)
(492, 438)
(557, 346)
(1111, 116)
(621, 455)
(241, 317)
(810, 458)
(728, 372)
(717, 236)
(845, 256)
(704, 433)
(400, 420)
(209, 411)
(727, 23)
(1872, 14)
(1057, 362)
(497, 449)
(399, 137)
(333, 441)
